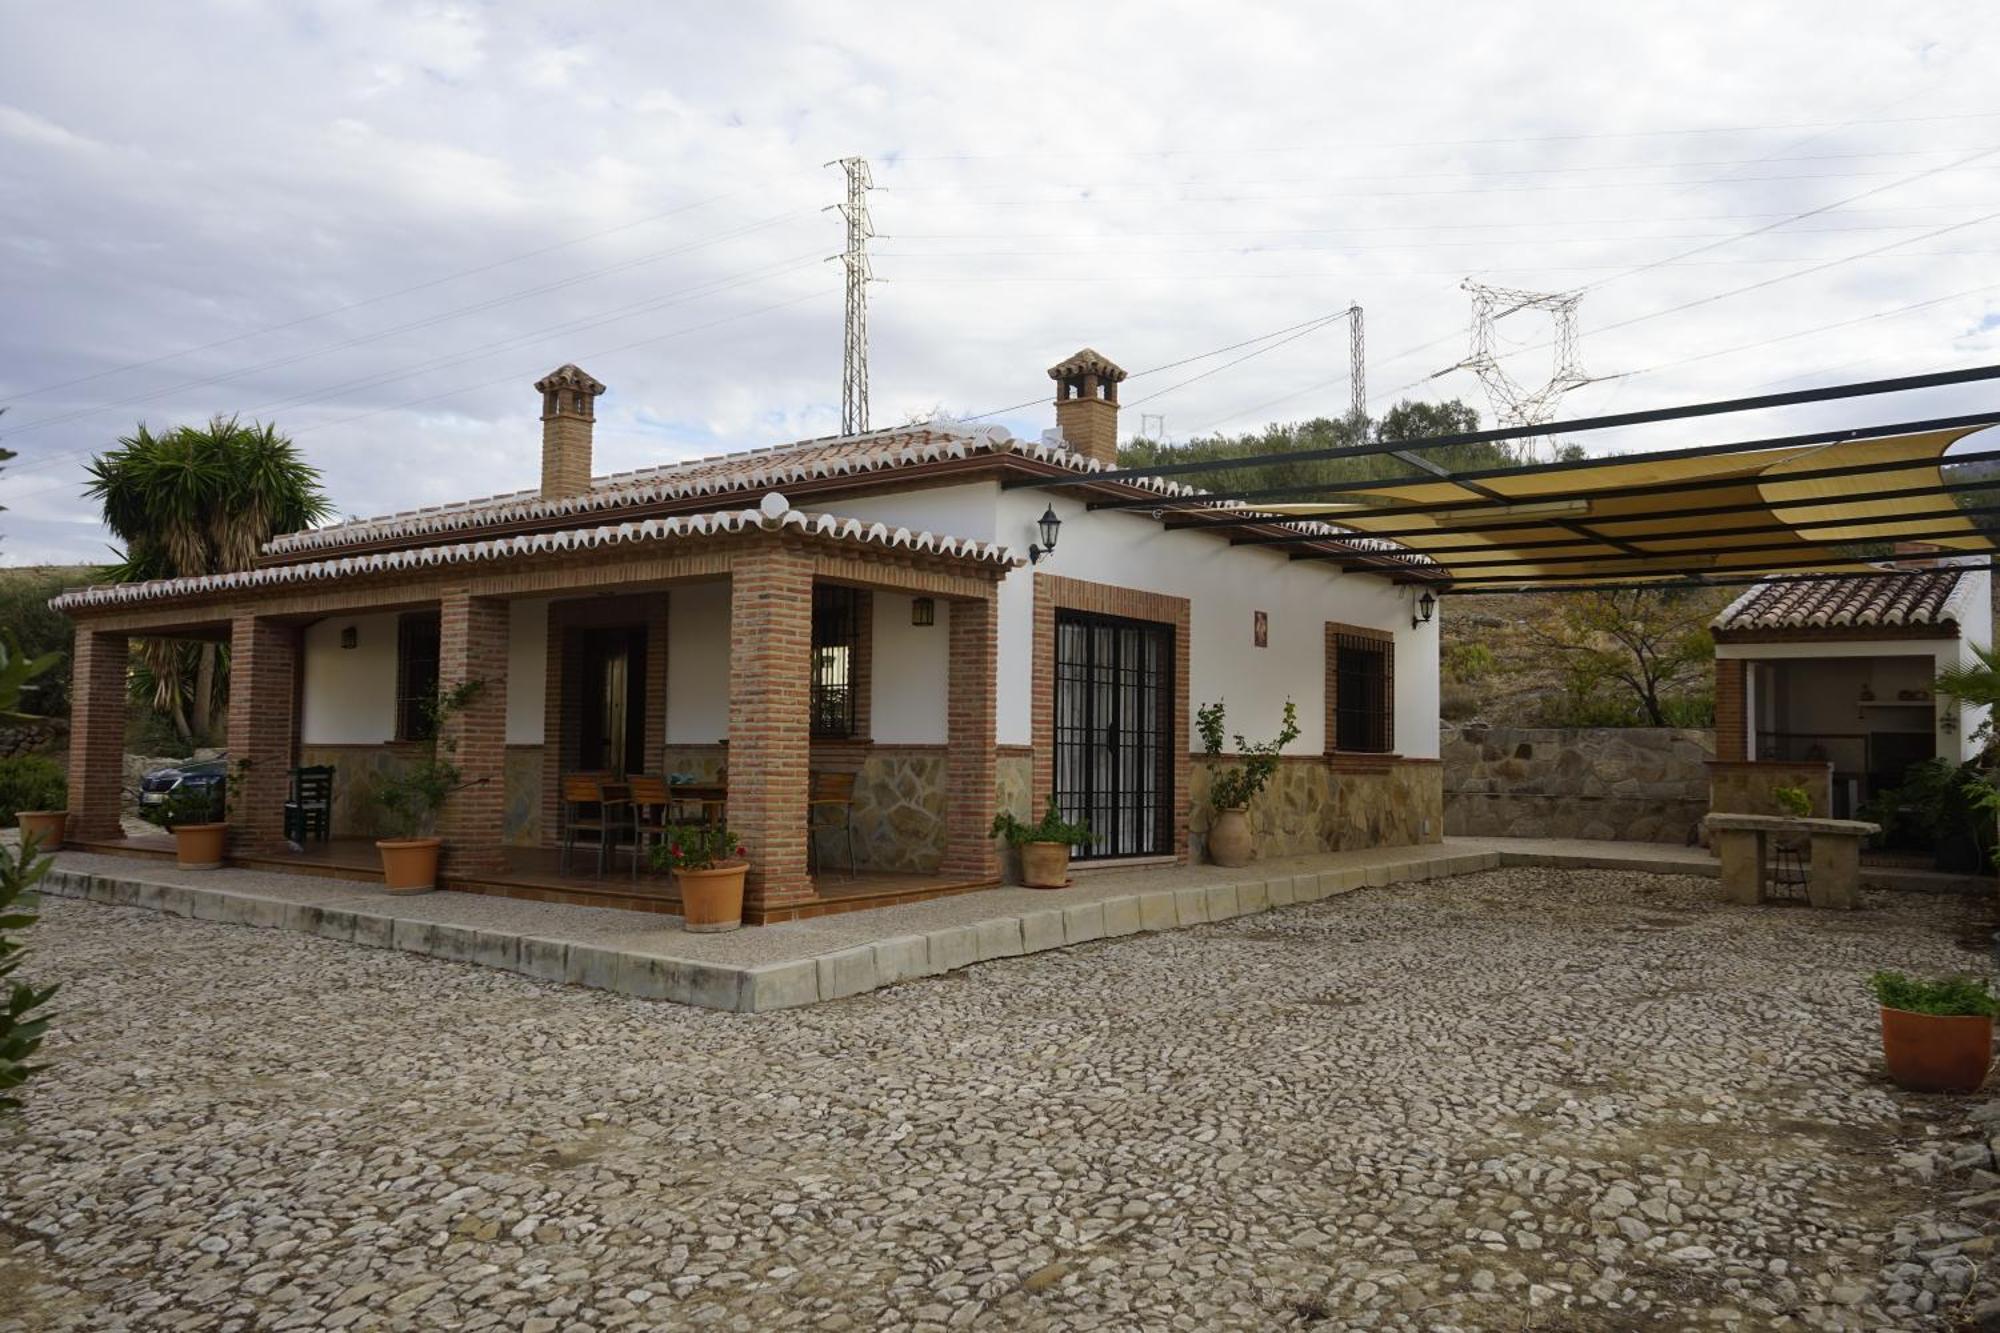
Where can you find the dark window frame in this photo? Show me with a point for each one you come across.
(837, 681)
(419, 652)
(1360, 691)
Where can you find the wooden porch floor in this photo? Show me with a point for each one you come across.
(531, 873)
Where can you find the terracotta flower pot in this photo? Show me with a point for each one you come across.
(409, 865)
(199, 846)
(712, 900)
(1229, 840)
(44, 826)
(1045, 865)
(1937, 1052)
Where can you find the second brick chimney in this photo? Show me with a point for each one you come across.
(569, 414)
(1087, 404)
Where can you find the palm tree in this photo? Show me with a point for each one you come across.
(199, 501)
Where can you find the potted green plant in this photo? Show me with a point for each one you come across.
(709, 864)
(1937, 1036)
(1794, 802)
(1232, 788)
(411, 797)
(1044, 846)
(34, 794)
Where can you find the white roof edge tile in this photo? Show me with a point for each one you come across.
(500, 548)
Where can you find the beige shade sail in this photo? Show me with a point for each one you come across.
(1664, 518)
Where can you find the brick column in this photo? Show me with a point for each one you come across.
(263, 672)
(97, 734)
(1731, 726)
(472, 645)
(971, 724)
(770, 679)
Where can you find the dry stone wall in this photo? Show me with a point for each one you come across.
(1630, 784)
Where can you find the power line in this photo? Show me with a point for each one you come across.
(1350, 145)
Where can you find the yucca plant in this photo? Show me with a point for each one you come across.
(198, 500)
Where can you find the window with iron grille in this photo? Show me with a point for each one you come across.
(416, 674)
(835, 647)
(1361, 688)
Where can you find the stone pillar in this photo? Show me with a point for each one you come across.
(971, 759)
(770, 744)
(1836, 870)
(97, 735)
(472, 646)
(263, 672)
(1742, 854)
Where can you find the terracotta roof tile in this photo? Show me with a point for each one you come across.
(1930, 598)
(772, 516)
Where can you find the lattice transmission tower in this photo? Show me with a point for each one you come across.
(854, 340)
(1357, 365)
(1513, 403)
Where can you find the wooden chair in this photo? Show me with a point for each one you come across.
(309, 812)
(591, 805)
(650, 804)
(830, 809)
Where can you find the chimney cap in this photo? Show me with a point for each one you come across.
(1086, 361)
(568, 377)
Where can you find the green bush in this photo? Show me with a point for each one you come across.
(1053, 828)
(21, 1028)
(1794, 801)
(30, 782)
(1948, 996)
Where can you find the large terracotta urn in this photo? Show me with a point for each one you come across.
(1229, 840)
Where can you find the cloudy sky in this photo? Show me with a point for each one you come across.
(377, 224)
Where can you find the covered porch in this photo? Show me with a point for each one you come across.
(742, 653)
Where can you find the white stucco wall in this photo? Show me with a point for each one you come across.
(349, 694)
(1224, 586)
(909, 675)
(527, 669)
(698, 663)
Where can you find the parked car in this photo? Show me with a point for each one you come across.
(205, 777)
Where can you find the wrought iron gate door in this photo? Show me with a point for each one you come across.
(1114, 735)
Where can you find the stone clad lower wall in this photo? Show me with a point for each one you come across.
(358, 767)
(1630, 784)
(1313, 806)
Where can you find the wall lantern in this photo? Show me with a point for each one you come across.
(350, 636)
(1427, 606)
(923, 611)
(1050, 528)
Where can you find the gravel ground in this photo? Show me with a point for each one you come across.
(1520, 1099)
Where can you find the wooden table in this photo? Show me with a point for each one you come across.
(1742, 844)
(712, 797)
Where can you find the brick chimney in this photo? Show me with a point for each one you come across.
(569, 413)
(1087, 405)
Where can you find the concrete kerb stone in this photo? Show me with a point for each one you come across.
(779, 986)
(1282, 891)
(588, 965)
(1042, 930)
(903, 958)
(1157, 910)
(1083, 923)
(1121, 916)
(544, 960)
(1252, 897)
(1190, 906)
(999, 937)
(1222, 902)
(848, 972)
(952, 948)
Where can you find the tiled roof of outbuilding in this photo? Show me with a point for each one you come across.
(1864, 600)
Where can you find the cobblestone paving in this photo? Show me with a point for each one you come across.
(1521, 1099)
